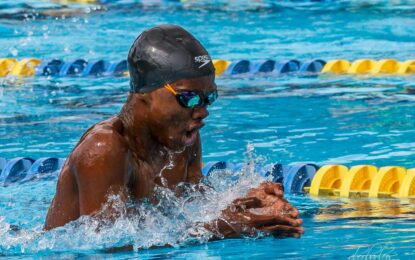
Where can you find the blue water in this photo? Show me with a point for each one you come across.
(347, 120)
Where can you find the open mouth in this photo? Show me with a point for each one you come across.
(190, 137)
(190, 133)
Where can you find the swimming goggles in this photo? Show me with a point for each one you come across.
(191, 99)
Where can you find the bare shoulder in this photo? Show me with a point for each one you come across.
(101, 151)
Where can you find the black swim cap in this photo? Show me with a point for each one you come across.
(164, 54)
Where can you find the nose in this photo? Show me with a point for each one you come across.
(199, 113)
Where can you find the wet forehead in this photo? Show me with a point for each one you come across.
(202, 84)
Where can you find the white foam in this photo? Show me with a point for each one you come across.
(173, 221)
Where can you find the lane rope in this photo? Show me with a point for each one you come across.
(96, 68)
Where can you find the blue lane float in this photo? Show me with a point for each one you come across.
(117, 68)
(313, 66)
(287, 66)
(209, 167)
(15, 170)
(238, 167)
(293, 177)
(22, 169)
(74, 68)
(81, 67)
(263, 66)
(95, 68)
(273, 67)
(298, 176)
(238, 67)
(277, 172)
(3, 163)
(44, 166)
(49, 68)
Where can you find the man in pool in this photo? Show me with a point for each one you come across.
(172, 80)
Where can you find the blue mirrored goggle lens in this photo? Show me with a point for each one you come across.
(192, 99)
(189, 99)
(212, 97)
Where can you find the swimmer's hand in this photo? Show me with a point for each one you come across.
(264, 209)
(272, 199)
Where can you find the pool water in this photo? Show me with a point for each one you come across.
(346, 120)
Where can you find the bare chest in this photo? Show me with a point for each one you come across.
(146, 177)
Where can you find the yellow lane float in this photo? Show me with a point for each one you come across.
(336, 66)
(387, 182)
(25, 67)
(6, 66)
(357, 181)
(387, 66)
(368, 66)
(328, 180)
(220, 66)
(407, 189)
(363, 181)
(362, 66)
(407, 67)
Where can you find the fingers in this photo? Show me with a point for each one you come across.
(276, 188)
(285, 235)
(291, 210)
(273, 188)
(280, 228)
(283, 230)
(246, 203)
(268, 220)
(288, 209)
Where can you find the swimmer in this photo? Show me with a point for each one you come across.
(172, 83)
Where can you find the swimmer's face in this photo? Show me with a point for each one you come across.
(173, 125)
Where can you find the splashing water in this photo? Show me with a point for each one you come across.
(173, 221)
(169, 165)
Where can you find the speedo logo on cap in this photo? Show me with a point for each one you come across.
(204, 59)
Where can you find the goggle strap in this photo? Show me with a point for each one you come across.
(170, 88)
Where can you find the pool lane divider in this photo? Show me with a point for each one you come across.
(84, 1)
(22, 169)
(59, 68)
(333, 180)
(82, 68)
(363, 181)
(298, 178)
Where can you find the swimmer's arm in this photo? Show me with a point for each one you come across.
(195, 163)
(64, 206)
(237, 220)
(101, 169)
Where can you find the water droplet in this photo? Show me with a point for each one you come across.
(14, 51)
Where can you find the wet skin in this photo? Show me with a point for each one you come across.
(125, 154)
